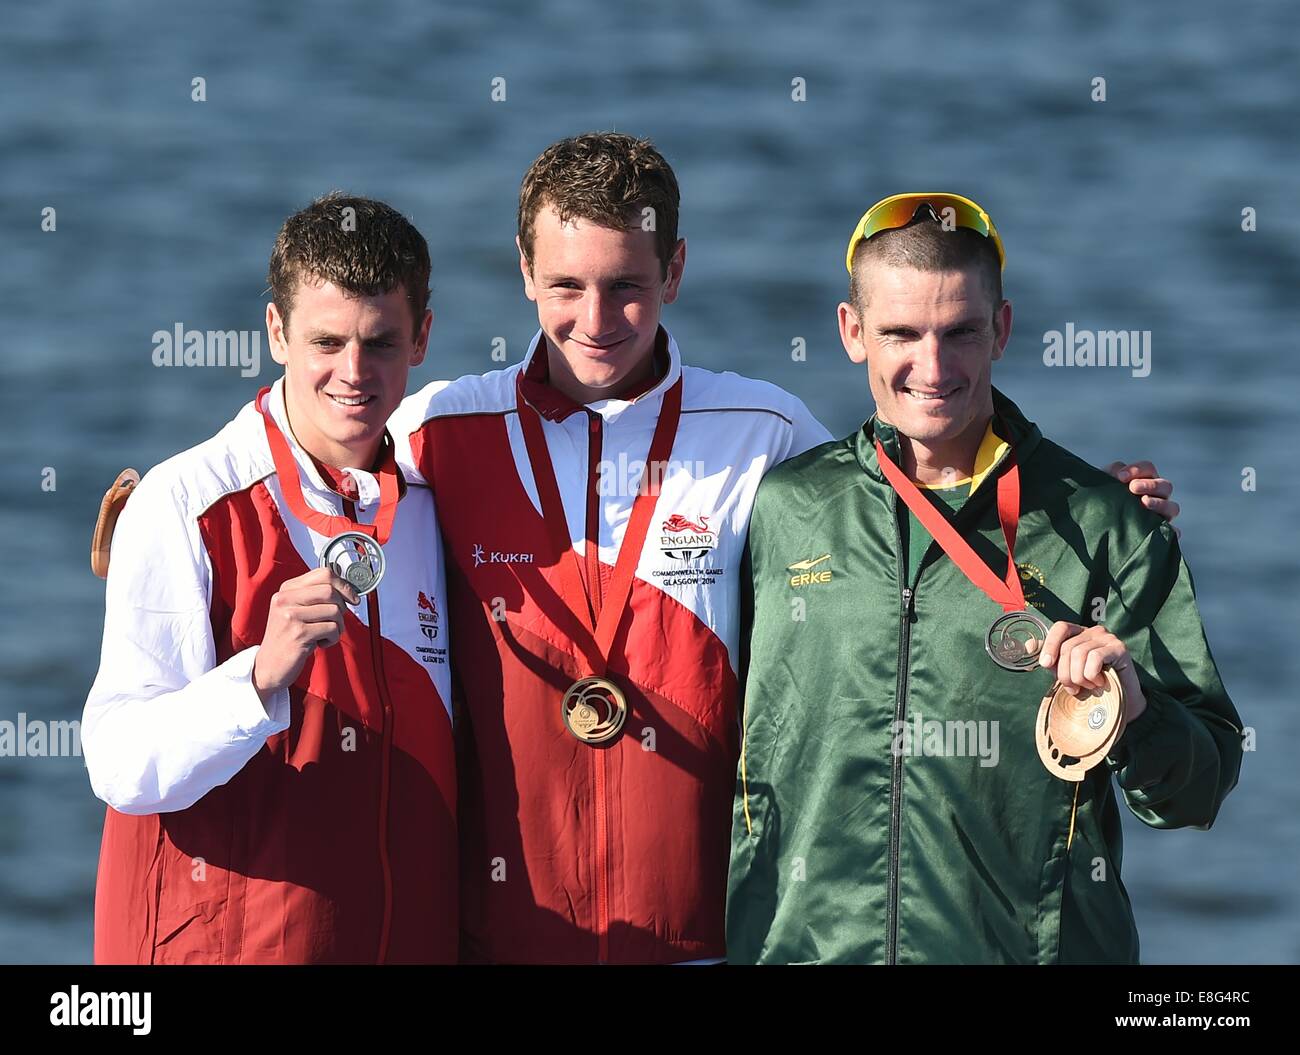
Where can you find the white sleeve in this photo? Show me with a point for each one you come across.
(808, 432)
(164, 723)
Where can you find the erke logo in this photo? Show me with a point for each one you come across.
(807, 572)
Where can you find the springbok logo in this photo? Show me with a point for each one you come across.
(685, 539)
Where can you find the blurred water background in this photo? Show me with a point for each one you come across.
(1122, 214)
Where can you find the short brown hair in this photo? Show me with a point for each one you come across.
(372, 250)
(607, 178)
(926, 246)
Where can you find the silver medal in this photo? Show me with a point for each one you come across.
(1015, 639)
(355, 558)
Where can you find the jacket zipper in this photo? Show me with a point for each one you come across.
(592, 552)
(896, 779)
(386, 742)
(907, 600)
(592, 548)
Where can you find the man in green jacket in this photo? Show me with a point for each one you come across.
(892, 806)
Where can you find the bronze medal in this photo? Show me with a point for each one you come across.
(594, 710)
(1074, 733)
(1015, 639)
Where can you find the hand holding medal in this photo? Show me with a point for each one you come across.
(1091, 703)
(356, 558)
(1096, 693)
(306, 613)
(1095, 696)
(354, 551)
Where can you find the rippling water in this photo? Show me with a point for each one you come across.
(1122, 214)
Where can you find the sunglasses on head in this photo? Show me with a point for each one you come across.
(950, 210)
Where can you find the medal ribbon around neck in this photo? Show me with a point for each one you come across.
(578, 600)
(286, 467)
(1008, 593)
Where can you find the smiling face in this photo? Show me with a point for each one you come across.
(346, 359)
(929, 339)
(599, 295)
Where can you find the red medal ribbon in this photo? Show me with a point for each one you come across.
(575, 596)
(1008, 593)
(286, 467)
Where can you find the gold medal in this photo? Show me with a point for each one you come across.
(1074, 733)
(594, 710)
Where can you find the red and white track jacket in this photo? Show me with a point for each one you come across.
(324, 832)
(616, 853)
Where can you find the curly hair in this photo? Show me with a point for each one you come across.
(361, 245)
(607, 178)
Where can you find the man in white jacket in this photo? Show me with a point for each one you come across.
(273, 737)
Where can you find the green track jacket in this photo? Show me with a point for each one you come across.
(891, 805)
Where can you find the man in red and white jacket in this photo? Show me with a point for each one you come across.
(596, 647)
(275, 748)
(615, 852)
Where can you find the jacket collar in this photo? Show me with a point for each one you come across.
(534, 385)
(1008, 422)
(316, 477)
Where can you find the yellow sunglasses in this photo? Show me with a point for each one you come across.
(900, 209)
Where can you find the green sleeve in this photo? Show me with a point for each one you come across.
(1179, 759)
(751, 896)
